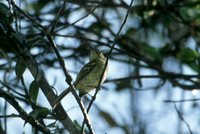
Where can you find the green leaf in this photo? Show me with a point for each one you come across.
(108, 118)
(151, 52)
(187, 55)
(4, 9)
(39, 113)
(5, 14)
(20, 68)
(77, 124)
(194, 66)
(121, 85)
(38, 6)
(130, 32)
(20, 39)
(33, 90)
(99, 27)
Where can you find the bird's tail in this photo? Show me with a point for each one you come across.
(60, 97)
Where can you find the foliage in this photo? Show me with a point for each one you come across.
(155, 31)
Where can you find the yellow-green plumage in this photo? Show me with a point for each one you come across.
(89, 76)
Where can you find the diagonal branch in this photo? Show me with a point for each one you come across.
(44, 84)
(39, 77)
(46, 88)
(57, 17)
(181, 117)
(109, 53)
(69, 82)
(90, 12)
(108, 56)
(10, 99)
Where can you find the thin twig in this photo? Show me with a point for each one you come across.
(39, 76)
(99, 4)
(69, 82)
(83, 17)
(181, 101)
(57, 17)
(29, 17)
(10, 116)
(68, 79)
(112, 47)
(5, 119)
(107, 58)
(10, 88)
(10, 99)
(167, 76)
(181, 117)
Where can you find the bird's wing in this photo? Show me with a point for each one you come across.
(85, 71)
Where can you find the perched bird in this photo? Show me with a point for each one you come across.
(89, 76)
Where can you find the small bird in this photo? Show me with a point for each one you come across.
(89, 76)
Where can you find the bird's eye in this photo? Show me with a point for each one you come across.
(98, 53)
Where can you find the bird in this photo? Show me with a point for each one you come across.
(89, 76)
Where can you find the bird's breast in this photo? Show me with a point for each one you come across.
(91, 81)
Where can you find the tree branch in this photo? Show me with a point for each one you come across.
(42, 82)
(107, 58)
(181, 117)
(10, 99)
(69, 82)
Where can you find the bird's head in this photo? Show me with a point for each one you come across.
(96, 54)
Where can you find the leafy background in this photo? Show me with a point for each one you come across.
(153, 79)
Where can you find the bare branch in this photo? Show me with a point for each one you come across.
(181, 117)
(10, 99)
(108, 56)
